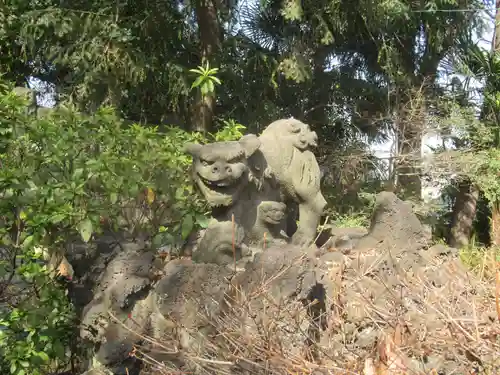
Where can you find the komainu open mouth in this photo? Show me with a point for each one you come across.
(272, 220)
(222, 186)
(275, 218)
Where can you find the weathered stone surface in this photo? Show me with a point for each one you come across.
(185, 304)
(394, 226)
(287, 147)
(222, 243)
(391, 277)
(331, 236)
(254, 184)
(182, 307)
(296, 280)
(441, 250)
(286, 302)
(268, 228)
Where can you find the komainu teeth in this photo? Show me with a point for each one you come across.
(218, 184)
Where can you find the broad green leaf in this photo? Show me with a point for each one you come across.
(202, 220)
(57, 218)
(187, 226)
(179, 193)
(210, 86)
(134, 190)
(85, 228)
(204, 88)
(113, 197)
(59, 349)
(78, 173)
(216, 80)
(198, 71)
(27, 242)
(43, 356)
(198, 81)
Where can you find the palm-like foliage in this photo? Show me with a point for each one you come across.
(383, 51)
(475, 62)
(484, 66)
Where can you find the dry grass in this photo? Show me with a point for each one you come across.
(458, 322)
(482, 261)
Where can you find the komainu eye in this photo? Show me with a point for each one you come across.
(205, 163)
(235, 160)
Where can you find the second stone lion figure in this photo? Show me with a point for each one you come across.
(255, 182)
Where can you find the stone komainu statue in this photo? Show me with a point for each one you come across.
(239, 179)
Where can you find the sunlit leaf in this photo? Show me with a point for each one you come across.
(198, 81)
(202, 221)
(216, 80)
(85, 228)
(150, 195)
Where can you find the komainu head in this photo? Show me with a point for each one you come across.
(294, 132)
(221, 169)
(272, 212)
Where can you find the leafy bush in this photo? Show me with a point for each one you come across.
(352, 221)
(67, 174)
(36, 329)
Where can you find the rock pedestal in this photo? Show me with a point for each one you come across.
(251, 300)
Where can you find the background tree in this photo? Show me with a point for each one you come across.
(483, 66)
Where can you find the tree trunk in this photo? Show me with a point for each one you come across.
(495, 205)
(464, 212)
(409, 126)
(318, 96)
(210, 41)
(465, 226)
(409, 182)
(203, 113)
(460, 228)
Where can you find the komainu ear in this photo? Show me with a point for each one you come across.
(250, 144)
(295, 126)
(192, 149)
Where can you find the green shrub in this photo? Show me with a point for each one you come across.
(352, 221)
(67, 174)
(37, 328)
